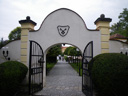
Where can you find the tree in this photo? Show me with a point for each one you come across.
(67, 50)
(72, 51)
(1, 43)
(53, 53)
(15, 34)
(121, 27)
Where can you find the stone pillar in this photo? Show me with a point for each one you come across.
(102, 24)
(26, 26)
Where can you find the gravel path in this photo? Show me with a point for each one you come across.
(62, 80)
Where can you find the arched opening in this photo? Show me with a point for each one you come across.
(64, 76)
(66, 26)
(63, 52)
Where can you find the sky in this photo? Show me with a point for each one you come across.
(11, 11)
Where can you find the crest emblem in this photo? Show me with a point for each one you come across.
(63, 30)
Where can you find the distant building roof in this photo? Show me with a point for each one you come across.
(63, 48)
(117, 36)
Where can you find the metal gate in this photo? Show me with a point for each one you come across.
(86, 76)
(36, 61)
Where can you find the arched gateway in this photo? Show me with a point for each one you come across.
(62, 26)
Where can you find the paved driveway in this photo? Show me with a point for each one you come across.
(62, 80)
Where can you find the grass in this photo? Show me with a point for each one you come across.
(49, 66)
(76, 67)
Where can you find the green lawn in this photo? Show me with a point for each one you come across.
(49, 66)
(76, 67)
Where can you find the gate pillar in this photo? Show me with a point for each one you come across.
(102, 24)
(26, 26)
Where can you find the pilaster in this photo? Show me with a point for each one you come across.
(102, 24)
(26, 26)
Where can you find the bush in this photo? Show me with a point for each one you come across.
(12, 73)
(110, 74)
(51, 59)
(66, 58)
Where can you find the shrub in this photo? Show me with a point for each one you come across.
(12, 74)
(66, 58)
(110, 74)
(51, 59)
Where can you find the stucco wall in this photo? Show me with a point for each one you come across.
(14, 51)
(78, 34)
(115, 46)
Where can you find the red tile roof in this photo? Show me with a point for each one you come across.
(117, 36)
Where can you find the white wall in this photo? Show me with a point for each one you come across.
(78, 34)
(115, 46)
(14, 51)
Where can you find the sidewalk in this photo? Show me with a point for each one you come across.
(62, 80)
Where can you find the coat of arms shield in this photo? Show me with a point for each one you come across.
(63, 30)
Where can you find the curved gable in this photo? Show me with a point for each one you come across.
(50, 32)
(63, 16)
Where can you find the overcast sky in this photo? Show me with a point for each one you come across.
(11, 11)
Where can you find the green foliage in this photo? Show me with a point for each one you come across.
(51, 59)
(71, 51)
(15, 34)
(121, 27)
(110, 74)
(66, 58)
(66, 52)
(76, 67)
(53, 53)
(12, 73)
(49, 66)
(1, 43)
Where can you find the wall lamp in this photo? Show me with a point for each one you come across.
(124, 51)
(5, 53)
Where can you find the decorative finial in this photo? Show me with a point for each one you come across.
(102, 16)
(28, 18)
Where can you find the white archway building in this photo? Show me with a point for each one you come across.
(63, 26)
(77, 35)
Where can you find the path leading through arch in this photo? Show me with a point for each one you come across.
(62, 80)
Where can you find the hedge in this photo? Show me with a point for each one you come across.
(51, 59)
(12, 73)
(110, 74)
